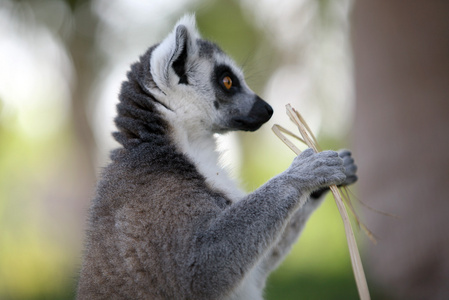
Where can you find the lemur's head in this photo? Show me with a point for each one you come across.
(199, 86)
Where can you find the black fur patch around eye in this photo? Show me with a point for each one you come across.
(221, 71)
(179, 65)
(216, 104)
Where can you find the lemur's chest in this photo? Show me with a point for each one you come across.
(206, 161)
(202, 152)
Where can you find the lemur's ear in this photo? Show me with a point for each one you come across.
(179, 59)
(169, 59)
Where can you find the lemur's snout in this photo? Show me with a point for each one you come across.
(259, 114)
(264, 108)
(261, 110)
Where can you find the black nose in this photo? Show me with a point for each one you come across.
(263, 107)
(261, 110)
(259, 114)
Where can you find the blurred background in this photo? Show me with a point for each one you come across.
(372, 76)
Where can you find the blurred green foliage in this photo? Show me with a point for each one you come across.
(33, 264)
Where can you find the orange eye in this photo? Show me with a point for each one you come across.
(227, 82)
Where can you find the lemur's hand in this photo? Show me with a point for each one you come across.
(350, 170)
(350, 167)
(311, 171)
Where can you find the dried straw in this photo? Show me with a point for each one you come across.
(309, 139)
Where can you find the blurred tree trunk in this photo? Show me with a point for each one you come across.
(402, 142)
(73, 185)
(86, 64)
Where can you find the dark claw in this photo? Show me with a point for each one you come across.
(344, 152)
(350, 180)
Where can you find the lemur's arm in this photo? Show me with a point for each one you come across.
(240, 236)
(300, 217)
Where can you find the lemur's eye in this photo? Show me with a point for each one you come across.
(227, 82)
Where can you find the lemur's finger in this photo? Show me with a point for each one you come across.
(347, 160)
(350, 169)
(344, 152)
(350, 180)
(306, 153)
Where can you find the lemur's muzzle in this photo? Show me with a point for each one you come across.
(260, 113)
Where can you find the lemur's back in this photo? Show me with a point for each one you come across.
(157, 210)
(167, 222)
(150, 195)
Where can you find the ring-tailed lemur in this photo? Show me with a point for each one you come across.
(166, 222)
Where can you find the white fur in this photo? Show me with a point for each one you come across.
(250, 287)
(201, 149)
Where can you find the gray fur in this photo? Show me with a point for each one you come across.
(163, 224)
(207, 49)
